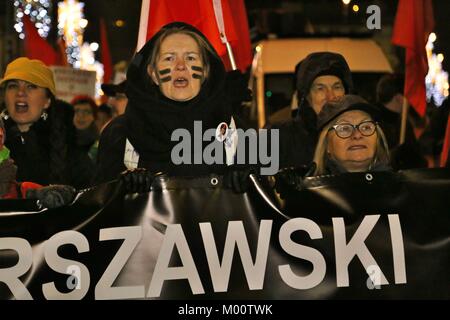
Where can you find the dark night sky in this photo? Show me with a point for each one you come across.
(284, 17)
(265, 16)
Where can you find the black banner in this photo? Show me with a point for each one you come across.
(354, 236)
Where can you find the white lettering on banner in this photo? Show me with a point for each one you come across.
(236, 237)
(104, 289)
(345, 252)
(398, 249)
(62, 265)
(301, 251)
(10, 276)
(175, 239)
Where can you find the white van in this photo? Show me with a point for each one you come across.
(272, 72)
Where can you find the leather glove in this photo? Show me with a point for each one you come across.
(237, 177)
(52, 196)
(288, 179)
(137, 180)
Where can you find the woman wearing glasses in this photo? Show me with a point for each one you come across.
(350, 139)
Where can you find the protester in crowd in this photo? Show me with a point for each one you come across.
(104, 116)
(87, 134)
(320, 77)
(351, 139)
(390, 103)
(39, 128)
(117, 98)
(175, 79)
(49, 197)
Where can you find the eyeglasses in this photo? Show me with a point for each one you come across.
(345, 130)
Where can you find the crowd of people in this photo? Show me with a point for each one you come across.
(175, 80)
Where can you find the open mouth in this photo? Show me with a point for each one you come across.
(357, 147)
(21, 107)
(180, 82)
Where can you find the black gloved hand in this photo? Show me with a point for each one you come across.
(288, 179)
(52, 196)
(137, 180)
(237, 87)
(237, 177)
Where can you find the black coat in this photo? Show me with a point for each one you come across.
(150, 118)
(298, 137)
(46, 153)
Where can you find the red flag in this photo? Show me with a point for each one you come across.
(200, 14)
(105, 53)
(413, 24)
(446, 147)
(62, 56)
(37, 47)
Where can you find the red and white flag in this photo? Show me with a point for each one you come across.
(204, 15)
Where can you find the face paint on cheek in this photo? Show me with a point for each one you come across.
(196, 75)
(197, 68)
(165, 79)
(164, 72)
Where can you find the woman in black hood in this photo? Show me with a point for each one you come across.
(176, 79)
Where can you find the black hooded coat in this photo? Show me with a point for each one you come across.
(150, 118)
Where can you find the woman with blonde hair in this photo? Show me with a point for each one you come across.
(350, 138)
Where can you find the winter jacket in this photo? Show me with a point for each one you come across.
(298, 137)
(144, 131)
(333, 167)
(47, 153)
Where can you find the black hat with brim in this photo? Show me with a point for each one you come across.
(112, 89)
(331, 110)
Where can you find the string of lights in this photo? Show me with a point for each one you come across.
(436, 80)
(71, 25)
(39, 12)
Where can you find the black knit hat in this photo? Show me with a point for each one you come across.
(331, 110)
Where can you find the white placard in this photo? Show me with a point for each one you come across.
(72, 82)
